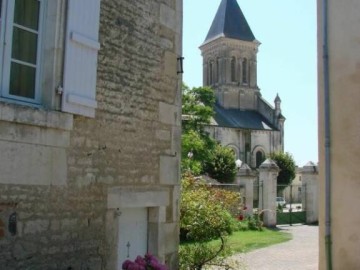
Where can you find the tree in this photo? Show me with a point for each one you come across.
(193, 152)
(197, 108)
(201, 153)
(221, 166)
(287, 166)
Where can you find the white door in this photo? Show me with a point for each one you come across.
(133, 234)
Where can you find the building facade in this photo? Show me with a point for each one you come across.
(90, 124)
(338, 92)
(243, 120)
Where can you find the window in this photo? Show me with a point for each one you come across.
(20, 49)
(244, 71)
(31, 37)
(260, 158)
(211, 72)
(218, 70)
(233, 68)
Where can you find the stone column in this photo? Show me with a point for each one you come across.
(252, 73)
(309, 175)
(267, 201)
(246, 177)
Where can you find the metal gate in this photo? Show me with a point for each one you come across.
(291, 205)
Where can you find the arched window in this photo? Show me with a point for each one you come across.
(218, 70)
(260, 158)
(211, 72)
(244, 67)
(233, 68)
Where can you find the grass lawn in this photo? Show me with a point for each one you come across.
(245, 241)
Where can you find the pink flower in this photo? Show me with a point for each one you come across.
(148, 262)
(133, 266)
(140, 261)
(126, 264)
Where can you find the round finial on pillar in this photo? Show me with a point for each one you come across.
(238, 164)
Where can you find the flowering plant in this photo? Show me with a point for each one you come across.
(148, 262)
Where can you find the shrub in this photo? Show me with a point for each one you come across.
(202, 216)
(230, 200)
(255, 223)
(221, 166)
(196, 255)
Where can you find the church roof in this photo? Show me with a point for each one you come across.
(230, 22)
(244, 119)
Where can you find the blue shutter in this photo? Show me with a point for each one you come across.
(80, 63)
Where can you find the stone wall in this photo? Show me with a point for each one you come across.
(343, 147)
(264, 140)
(133, 143)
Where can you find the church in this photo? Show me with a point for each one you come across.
(243, 120)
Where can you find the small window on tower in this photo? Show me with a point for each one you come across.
(211, 72)
(233, 68)
(218, 70)
(245, 71)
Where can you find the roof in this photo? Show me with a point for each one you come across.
(244, 119)
(230, 22)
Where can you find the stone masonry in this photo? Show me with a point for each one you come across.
(131, 147)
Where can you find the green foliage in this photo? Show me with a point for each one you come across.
(230, 200)
(197, 110)
(197, 107)
(222, 166)
(200, 146)
(287, 166)
(254, 223)
(202, 215)
(207, 155)
(196, 255)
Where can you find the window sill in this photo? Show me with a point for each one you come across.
(35, 116)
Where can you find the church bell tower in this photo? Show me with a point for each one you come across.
(230, 59)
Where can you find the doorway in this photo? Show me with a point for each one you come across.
(133, 234)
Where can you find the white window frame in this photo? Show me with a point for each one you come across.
(7, 26)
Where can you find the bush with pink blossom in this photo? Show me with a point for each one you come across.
(148, 262)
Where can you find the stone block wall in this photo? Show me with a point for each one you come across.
(133, 143)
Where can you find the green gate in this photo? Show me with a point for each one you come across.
(293, 210)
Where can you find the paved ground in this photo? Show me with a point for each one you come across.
(300, 253)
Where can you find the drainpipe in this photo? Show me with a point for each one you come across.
(328, 243)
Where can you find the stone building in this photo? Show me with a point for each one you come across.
(243, 120)
(338, 93)
(89, 132)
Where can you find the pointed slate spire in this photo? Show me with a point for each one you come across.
(230, 22)
(277, 98)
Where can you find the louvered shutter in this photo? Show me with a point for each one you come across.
(80, 63)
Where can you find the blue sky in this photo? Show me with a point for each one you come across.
(287, 61)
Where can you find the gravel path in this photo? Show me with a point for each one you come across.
(300, 253)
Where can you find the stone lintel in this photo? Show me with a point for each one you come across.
(131, 197)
